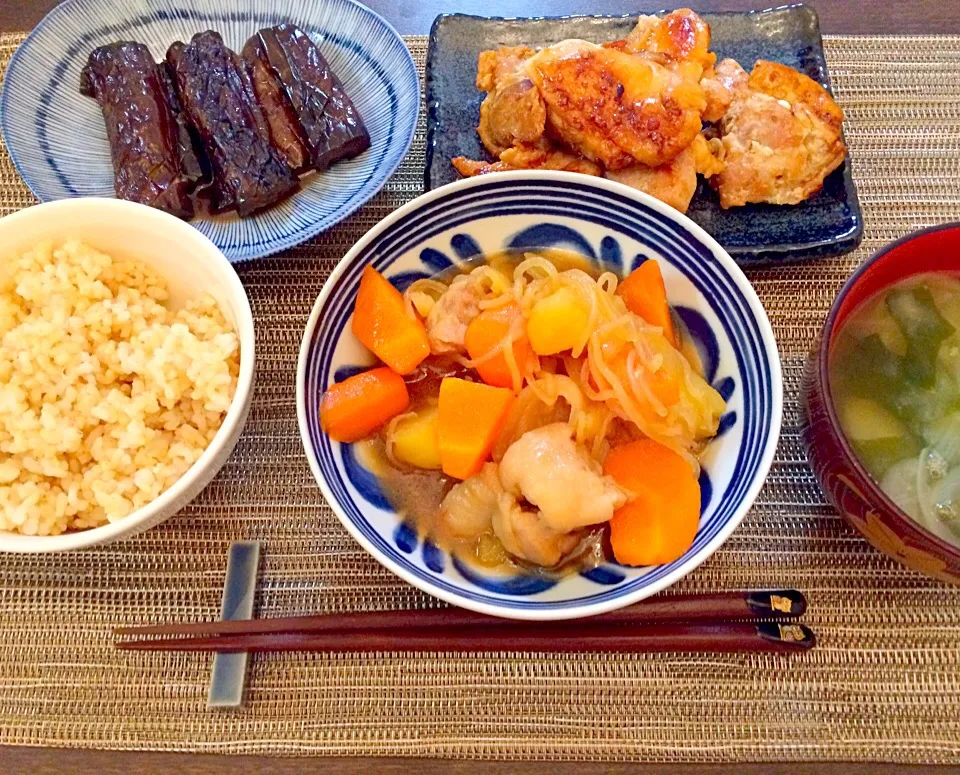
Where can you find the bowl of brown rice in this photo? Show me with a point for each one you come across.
(126, 370)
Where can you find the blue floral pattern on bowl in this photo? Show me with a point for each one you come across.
(617, 231)
(610, 256)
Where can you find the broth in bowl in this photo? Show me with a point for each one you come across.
(895, 377)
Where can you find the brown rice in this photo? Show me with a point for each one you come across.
(107, 396)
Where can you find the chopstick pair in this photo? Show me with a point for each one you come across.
(666, 623)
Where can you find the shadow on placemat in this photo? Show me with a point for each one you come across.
(883, 685)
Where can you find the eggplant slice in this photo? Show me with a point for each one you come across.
(141, 127)
(217, 94)
(284, 129)
(329, 125)
(193, 159)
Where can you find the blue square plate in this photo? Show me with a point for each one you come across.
(828, 224)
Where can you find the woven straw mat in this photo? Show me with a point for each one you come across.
(883, 684)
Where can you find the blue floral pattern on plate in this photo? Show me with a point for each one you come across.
(617, 231)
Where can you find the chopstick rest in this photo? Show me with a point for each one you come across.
(229, 674)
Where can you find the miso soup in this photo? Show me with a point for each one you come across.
(895, 379)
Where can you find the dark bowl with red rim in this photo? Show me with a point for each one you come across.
(843, 478)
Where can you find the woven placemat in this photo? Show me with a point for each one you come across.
(884, 683)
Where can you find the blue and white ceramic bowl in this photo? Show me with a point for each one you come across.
(58, 143)
(616, 227)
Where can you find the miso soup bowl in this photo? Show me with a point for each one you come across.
(844, 479)
(615, 228)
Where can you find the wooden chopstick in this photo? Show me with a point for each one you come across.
(676, 637)
(757, 604)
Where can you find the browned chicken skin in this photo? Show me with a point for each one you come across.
(542, 157)
(785, 83)
(496, 65)
(676, 181)
(680, 36)
(615, 108)
(730, 75)
(680, 39)
(512, 114)
(781, 137)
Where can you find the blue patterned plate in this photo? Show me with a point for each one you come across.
(57, 139)
(617, 228)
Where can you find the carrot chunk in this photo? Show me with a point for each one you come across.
(470, 418)
(486, 332)
(645, 295)
(381, 322)
(660, 522)
(358, 406)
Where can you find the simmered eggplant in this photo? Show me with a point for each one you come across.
(285, 131)
(330, 127)
(141, 127)
(193, 159)
(217, 94)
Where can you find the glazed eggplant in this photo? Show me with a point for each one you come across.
(284, 129)
(193, 159)
(217, 94)
(330, 127)
(141, 127)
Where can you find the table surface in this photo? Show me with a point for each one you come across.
(411, 17)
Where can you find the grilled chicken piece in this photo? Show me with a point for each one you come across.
(680, 40)
(730, 75)
(632, 110)
(719, 84)
(781, 138)
(707, 155)
(676, 181)
(499, 64)
(718, 98)
(680, 36)
(615, 108)
(513, 111)
(540, 157)
(785, 83)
